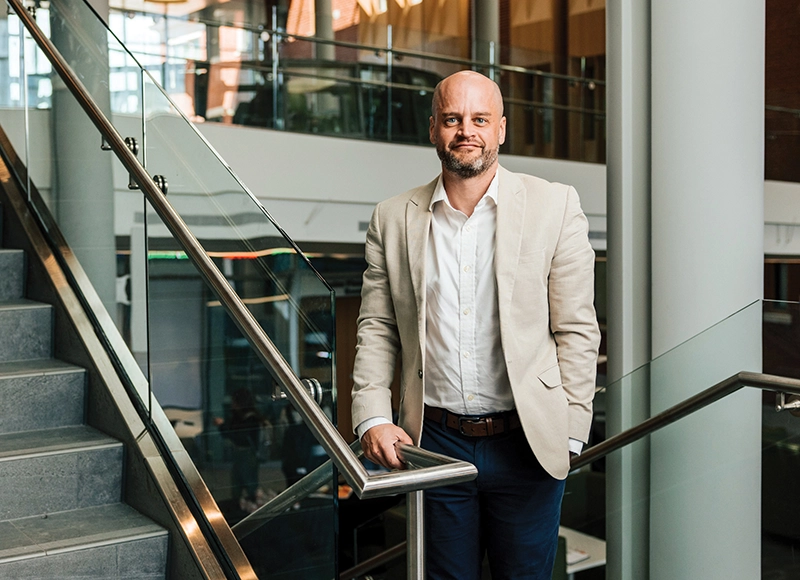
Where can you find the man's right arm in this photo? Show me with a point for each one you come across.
(376, 354)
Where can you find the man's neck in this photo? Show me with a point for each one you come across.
(464, 194)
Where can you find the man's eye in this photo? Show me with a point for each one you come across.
(450, 120)
(480, 121)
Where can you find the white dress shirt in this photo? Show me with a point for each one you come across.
(465, 371)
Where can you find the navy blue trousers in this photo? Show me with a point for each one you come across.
(510, 512)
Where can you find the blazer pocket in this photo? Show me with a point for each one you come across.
(551, 377)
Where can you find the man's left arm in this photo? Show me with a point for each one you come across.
(573, 320)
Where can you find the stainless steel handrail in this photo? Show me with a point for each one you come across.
(288, 497)
(384, 557)
(702, 399)
(422, 473)
(445, 472)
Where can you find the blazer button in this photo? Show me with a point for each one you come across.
(419, 373)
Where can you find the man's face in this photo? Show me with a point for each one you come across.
(468, 127)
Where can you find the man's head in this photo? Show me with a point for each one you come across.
(467, 123)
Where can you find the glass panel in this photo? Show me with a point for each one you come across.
(780, 458)
(628, 486)
(249, 443)
(17, 117)
(74, 176)
(247, 75)
(199, 365)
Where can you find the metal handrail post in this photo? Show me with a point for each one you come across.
(415, 534)
(491, 61)
(389, 61)
(276, 89)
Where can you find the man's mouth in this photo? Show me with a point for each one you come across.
(466, 146)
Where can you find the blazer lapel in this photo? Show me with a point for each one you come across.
(510, 224)
(418, 226)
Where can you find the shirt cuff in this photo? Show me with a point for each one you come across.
(575, 446)
(368, 424)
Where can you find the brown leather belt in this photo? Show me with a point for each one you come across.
(476, 425)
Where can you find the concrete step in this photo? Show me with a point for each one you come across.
(26, 329)
(56, 470)
(102, 542)
(42, 394)
(12, 279)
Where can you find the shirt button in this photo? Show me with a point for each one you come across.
(466, 311)
(470, 397)
(466, 355)
(467, 268)
(468, 228)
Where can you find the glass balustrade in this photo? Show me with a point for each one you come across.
(240, 429)
(617, 507)
(264, 77)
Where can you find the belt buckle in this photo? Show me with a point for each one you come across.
(470, 419)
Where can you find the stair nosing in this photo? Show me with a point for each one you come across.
(63, 451)
(32, 371)
(130, 537)
(37, 549)
(23, 304)
(88, 440)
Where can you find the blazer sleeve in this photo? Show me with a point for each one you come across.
(573, 320)
(378, 338)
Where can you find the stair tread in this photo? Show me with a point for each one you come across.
(74, 530)
(36, 367)
(48, 441)
(22, 304)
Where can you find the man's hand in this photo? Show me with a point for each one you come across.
(378, 445)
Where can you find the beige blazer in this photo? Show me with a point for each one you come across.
(544, 268)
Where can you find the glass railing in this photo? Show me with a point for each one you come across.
(618, 507)
(261, 76)
(780, 457)
(697, 471)
(245, 438)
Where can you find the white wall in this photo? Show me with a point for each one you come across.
(323, 189)
(333, 184)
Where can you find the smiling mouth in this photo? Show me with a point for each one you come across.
(466, 146)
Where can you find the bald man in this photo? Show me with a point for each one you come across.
(482, 282)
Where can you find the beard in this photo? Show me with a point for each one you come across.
(467, 169)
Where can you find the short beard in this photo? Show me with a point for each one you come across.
(467, 170)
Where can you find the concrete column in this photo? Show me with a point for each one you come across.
(486, 22)
(707, 138)
(323, 28)
(628, 213)
(82, 178)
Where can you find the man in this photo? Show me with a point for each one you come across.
(483, 281)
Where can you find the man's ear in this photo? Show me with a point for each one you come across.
(502, 130)
(431, 124)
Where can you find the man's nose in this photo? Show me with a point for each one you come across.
(467, 129)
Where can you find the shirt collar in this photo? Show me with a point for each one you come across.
(439, 193)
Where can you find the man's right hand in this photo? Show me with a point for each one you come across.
(378, 445)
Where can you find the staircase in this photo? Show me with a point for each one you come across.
(60, 480)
